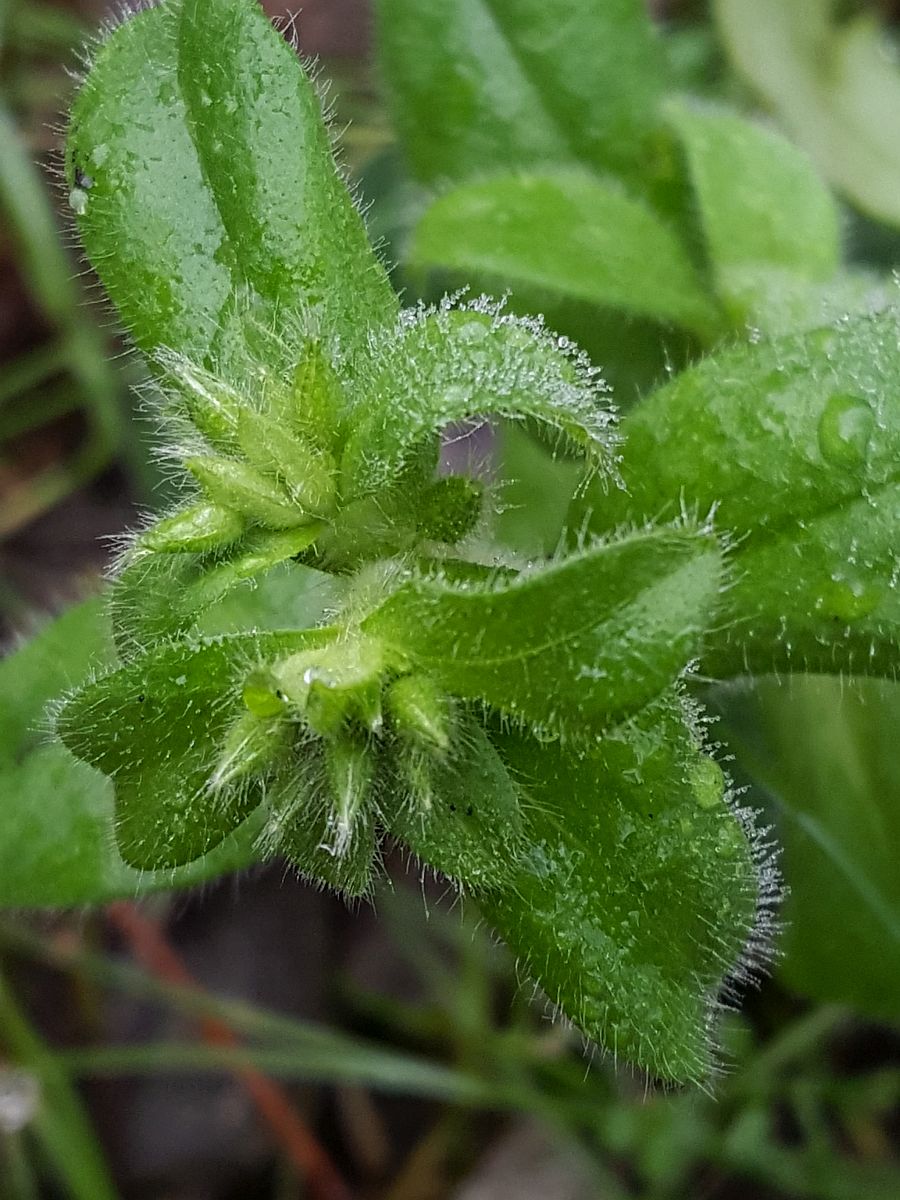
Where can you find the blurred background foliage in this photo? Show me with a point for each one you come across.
(391, 1052)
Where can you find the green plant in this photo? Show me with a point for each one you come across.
(323, 643)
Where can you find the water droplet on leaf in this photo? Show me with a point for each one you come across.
(845, 428)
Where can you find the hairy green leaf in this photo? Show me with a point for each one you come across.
(206, 200)
(572, 645)
(570, 234)
(795, 444)
(58, 846)
(761, 201)
(160, 596)
(638, 894)
(826, 752)
(458, 364)
(484, 84)
(155, 726)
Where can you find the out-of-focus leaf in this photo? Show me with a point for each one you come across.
(573, 645)
(835, 86)
(58, 846)
(638, 890)
(570, 234)
(479, 85)
(826, 752)
(762, 205)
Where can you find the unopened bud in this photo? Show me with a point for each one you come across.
(202, 527)
(229, 482)
(449, 509)
(306, 473)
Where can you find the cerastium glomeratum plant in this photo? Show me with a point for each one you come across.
(528, 729)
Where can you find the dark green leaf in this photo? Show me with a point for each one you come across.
(207, 192)
(826, 751)
(638, 894)
(156, 726)
(570, 234)
(572, 645)
(484, 84)
(58, 847)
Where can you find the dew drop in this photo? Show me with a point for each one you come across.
(845, 428)
(78, 201)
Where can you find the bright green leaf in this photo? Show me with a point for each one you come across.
(156, 727)
(570, 234)
(478, 85)
(207, 200)
(835, 86)
(572, 645)
(637, 896)
(57, 814)
(826, 752)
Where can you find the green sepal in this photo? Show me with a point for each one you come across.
(156, 727)
(459, 814)
(570, 646)
(301, 826)
(420, 712)
(210, 403)
(195, 530)
(316, 403)
(350, 771)
(636, 898)
(459, 364)
(230, 482)
(252, 747)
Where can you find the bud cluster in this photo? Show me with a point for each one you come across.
(345, 703)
